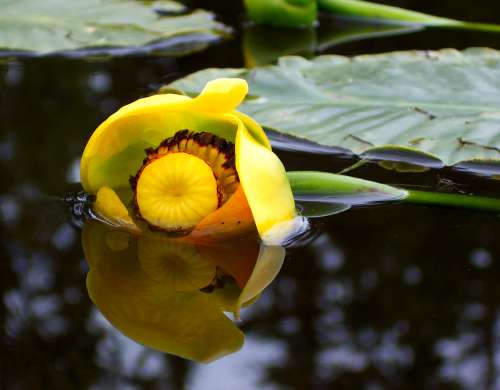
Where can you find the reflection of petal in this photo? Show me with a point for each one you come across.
(174, 264)
(188, 324)
(134, 284)
(266, 268)
(183, 324)
(236, 259)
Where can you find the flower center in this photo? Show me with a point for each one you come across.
(184, 179)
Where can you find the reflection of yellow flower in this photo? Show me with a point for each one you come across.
(171, 295)
(207, 169)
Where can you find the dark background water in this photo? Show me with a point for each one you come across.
(394, 296)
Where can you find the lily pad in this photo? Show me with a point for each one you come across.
(41, 27)
(429, 108)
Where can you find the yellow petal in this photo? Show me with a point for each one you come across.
(116, 149)
(109, 206)
(264, 182)
(254, 129)
(234, 218)
(221, 95)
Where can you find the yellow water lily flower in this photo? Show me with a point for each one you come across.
(171, 295)
(192, 166)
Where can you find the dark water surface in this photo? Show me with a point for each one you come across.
(386, 297)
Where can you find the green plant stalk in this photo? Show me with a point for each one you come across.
(365, 9)
(453, 200)
(354, 191)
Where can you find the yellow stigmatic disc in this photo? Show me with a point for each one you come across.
(215, 151)
(176, 191)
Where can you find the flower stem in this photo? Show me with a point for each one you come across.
(453, 200)
(365, 9)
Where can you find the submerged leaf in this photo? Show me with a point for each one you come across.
(59, 25)
(440, 107)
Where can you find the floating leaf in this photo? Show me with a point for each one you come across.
(424, 108)
(57, 25)
(339, 189)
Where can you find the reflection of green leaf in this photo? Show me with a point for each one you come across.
(441, 105)
(59, 25)
(264, 45)
(338, 34)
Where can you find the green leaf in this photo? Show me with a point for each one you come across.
(424, 108)
(319, 209)
(59, 25)
(339, 189)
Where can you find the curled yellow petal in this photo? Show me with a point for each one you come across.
(221, 95)
(234, 218)
(116, 149)
(264, 182)
(109, 206)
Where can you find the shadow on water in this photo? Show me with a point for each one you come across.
(386, 296)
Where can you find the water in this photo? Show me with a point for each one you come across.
(376, 297)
